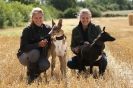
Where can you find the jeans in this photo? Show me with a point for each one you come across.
(33, 57)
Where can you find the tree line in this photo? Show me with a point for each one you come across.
(64, 4)
(15, 12)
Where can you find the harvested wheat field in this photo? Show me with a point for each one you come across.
(119, 73)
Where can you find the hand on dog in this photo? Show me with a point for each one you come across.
(76, 50)
(43, 43)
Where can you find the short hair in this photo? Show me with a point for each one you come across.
(36, 10)
(85, 10)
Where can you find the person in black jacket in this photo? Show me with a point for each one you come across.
(84, 33)
(34, 45)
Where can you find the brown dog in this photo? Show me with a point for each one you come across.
(58, 47)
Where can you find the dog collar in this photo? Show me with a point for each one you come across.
(60, 38)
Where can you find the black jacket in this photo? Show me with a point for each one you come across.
(31, 36)
(78, 36)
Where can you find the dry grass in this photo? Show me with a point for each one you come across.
(13, 74)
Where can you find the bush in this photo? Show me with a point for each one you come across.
(113, 7)
(101, 8)
(3, 10)
(95, 12)
(113, 15)
(70, 13)
(14, 18)
(23, 9)
(50, 12)
(13, 14)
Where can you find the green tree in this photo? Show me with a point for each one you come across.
(25, 1)
(62, 4)
(122, 4)
(110, 4)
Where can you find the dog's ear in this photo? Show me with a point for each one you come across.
(103, 29)
(60, 23)
(53, 23)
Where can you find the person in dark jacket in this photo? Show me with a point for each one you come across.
(84, 33)
(34, 45)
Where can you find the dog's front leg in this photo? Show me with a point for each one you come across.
(63, 65)
(53, 61)
(91, 69)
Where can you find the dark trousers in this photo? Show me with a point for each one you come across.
(35, 62)
(102, 63)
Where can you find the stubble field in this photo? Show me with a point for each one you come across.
(119, 73)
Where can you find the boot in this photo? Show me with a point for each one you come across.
(32, 72)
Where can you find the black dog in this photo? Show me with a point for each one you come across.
(90, 53)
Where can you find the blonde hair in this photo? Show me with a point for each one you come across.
(85, 10)
(36, 10)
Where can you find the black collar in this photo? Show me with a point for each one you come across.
(60, 38)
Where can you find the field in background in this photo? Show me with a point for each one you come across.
(13, 74)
